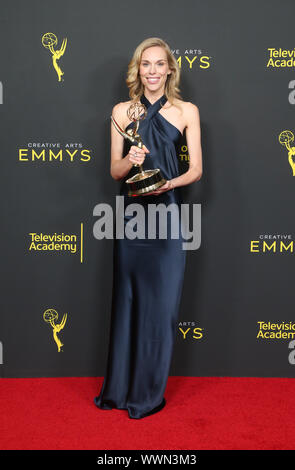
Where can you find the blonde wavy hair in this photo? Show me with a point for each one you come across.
(133, 81)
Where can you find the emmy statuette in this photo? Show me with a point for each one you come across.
(145, 181)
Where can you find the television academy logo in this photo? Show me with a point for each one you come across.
(57, 243)
(279, 331)
(275, 331)
(280, 58)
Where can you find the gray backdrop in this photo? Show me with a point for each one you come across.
(246, 190)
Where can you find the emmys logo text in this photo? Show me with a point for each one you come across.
(189, 330)
(279, 243)
(191, 58)
(135, 227)
(43, 152)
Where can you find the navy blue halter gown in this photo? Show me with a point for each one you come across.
(147, 285)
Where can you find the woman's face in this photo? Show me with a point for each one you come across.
(154, 68)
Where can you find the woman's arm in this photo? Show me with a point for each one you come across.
(193, 139)
(120, 167)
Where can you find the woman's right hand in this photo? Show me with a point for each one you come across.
(136, 155)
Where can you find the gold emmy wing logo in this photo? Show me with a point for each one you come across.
(50, 316)
(285, 138)
(49, 40)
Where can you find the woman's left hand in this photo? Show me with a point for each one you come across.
(166, 187)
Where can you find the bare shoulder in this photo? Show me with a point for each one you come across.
(188, 107)
(119, 112)
(190, 112)
(120, 108)
(187, 114)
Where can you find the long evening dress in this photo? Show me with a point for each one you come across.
(147, 286)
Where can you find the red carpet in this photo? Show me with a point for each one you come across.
(201, 413)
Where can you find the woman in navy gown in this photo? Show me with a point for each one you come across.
(148, 273)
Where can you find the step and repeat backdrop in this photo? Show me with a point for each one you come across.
(63, 68)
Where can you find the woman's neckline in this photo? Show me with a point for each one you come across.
(148, 104)
(157, 101)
